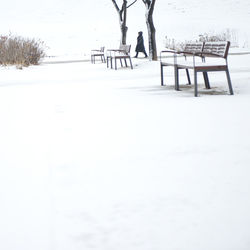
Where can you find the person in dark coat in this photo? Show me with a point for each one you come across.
(140, 45)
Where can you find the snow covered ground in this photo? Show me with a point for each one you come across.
(93, 158)
(73, 27)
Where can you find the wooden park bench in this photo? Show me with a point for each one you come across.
(98, 53)
(123, 53)
(206, 57)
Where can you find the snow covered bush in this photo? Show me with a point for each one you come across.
(211, 36)
(224, 35)
(16, 50)
(174, 44)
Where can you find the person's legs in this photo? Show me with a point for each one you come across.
(144, 52)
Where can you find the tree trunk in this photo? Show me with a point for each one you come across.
(151, 29)
(124, 30)
(151, 39)
(124, 27)
(122, 19)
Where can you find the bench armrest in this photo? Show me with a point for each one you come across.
(112, 49)
(207, 54)
(185, 52)
(167, 51)
(120, 50)
(115, 52)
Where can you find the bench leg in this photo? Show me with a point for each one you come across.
(107, 62)
(130, 63)
(162, 75)
(206, 80)
(229, 82)
(188, 77)
(195, 84)
(115, 64)
(176, 72)
(125, 62)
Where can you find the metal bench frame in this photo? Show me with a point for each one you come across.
(98, 53)
(208, 49)
(123, 53)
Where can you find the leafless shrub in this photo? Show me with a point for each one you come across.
(16, 50)
(224, 35)
(174, 44)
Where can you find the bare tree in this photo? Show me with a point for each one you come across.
(149, 4)
(122, 13)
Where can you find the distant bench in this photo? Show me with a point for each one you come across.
(118, 54)
(98, 53)
(212, 56)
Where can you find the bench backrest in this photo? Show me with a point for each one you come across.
(219, 48)
(126, 48)
(193, 47)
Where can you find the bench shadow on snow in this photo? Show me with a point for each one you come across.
(186, 89)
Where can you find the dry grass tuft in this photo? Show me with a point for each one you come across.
(19, 51)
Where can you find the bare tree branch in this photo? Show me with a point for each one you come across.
(151, 6)
(116, 6)
(132, 3)
(122, 12)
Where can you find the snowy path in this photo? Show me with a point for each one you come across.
(93, 158)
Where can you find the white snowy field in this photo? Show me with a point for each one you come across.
(73, 27)
(93, 158)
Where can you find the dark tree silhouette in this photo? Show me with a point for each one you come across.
(122, 13)
(149, 4)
